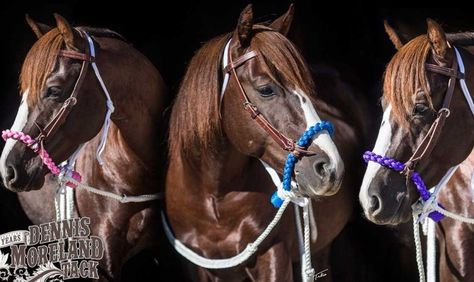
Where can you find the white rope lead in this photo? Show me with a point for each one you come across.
(222, 263)
(452, 215)
(121, 198)
(308, 267)
(304, 237)
(431, 251)
(419, 254)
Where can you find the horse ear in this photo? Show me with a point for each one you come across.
(244, 26)
(437, 38)
(38, 28)
(392, 34)
(66, 30)
(283, 23)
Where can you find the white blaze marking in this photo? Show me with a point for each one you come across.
(18, 125)
(381, 146)
(323, 140)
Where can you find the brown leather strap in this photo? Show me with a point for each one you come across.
(283, 141)
(76, 55)
(431, 139)
(60, 117)
(241, 60)
(444, 70)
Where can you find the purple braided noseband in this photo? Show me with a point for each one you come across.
(415, 177)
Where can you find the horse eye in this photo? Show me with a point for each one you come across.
(419, 109)
(53, 91)
(266, 91)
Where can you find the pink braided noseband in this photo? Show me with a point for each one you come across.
(33, 145)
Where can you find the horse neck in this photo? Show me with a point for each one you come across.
(138, 93)
(122, 169)
(218, 173)
(132, 150)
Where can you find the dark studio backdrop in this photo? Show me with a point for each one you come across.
(351, 39)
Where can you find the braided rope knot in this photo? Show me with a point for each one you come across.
(67, 174)
(425, 195)
(281, 194)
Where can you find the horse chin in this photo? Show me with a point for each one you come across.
(316, 189)
(401, 215)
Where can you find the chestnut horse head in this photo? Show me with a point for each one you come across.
(423, 90)
(255, 70)
(62, 102)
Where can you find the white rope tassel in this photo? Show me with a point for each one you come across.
(419, 254)
(431, 252)
(59, 200)
(300, 237)
(110, 105)
(308, 267)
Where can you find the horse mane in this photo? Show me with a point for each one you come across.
(195, 120)
(103, 32)
(404, 76)
(42, 57)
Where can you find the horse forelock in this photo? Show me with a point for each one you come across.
(39, 63)
(404, 76)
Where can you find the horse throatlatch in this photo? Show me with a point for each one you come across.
(415, 177)
(278, 197)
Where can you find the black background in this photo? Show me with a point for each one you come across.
(169, 32)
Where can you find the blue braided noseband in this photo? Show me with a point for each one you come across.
(291, 160)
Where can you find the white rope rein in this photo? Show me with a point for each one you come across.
(121, 198)
(228, 262)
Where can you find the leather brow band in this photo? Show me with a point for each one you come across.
(444, 71)
(76, 55)
(240, 61)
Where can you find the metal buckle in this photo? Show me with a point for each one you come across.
(71, 101)
(448, 112)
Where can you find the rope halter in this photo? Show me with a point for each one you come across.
(285, 190)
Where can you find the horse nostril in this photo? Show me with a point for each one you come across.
(375, 205)
(11, 174)
(321, 167)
